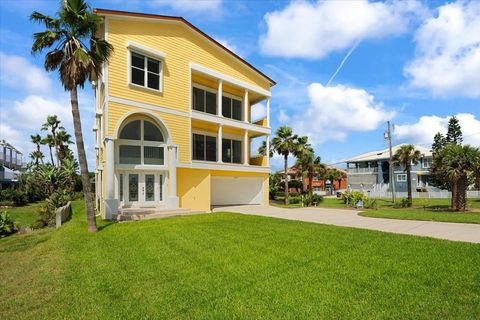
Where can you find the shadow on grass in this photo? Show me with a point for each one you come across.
(23, 242)
(103, 224)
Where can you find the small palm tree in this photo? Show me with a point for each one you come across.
(405, 156)
(309, 165)
(78, 55)
(37, 154)
(63, 139)
(53, 124)
(285, 143)
(262, 150)
(50, 142)
(460, 165)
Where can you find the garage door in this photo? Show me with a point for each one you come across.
(236, 190)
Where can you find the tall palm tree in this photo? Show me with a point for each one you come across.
(78, 55)
(309, 165)
(285, 143)
(405, 156)
(53, 124)
(50, 142)
(37, 154)
(460, 165)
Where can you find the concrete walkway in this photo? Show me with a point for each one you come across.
(349, 218)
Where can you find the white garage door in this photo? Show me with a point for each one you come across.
(236, 190)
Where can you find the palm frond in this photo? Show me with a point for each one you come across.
(45, 39)
(49, 22)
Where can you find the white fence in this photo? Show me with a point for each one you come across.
(426, 195)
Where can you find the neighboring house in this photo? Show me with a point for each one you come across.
(370, 171)
(319, 185)
(10, 164)
(173, 119)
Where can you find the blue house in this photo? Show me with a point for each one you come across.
(371, 172)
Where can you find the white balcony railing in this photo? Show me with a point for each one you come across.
(362, 170)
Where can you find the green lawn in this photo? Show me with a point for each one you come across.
(226, 265)
(25, 215)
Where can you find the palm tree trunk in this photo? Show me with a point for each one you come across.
(461, 193)
(82, 159)
(286, 178)
(51, 155)
(409, 186)
(310, 188)
(454, 193)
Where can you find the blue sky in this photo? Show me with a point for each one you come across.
(413, 63)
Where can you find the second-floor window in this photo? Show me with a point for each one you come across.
(204, 147)
(145, 71)
(204, 100)
(231, 108)
(427, 162)
(231, 151)
(401, 177)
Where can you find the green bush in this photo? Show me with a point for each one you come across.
(402, 204)
(295, 199)
(370, 204)
(7, 225)
(47, 213)
(7, 203)
(18, 197)
(352, 197)
(316, 198)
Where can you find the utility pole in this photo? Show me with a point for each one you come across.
(388, 137)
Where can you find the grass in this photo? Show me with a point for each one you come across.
(25, 215)
(226, 265)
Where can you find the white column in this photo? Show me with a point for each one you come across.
(267, 147)
(245, 148)
(219, 144)
(172, 175)
(268, 112)
(245, 106)
(219, 98)
(111, 202)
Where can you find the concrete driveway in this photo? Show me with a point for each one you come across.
(349, 218)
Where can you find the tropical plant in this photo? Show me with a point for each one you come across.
(285, 143)
(78, 55)
(63, 139)
(50, 142)
(262, 150)
(53, 124)
(7, 225)
(405, 156)
(274, 185)
(308, 165)
(37, 155)
(459, 164)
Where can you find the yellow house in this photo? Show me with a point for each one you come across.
(174, 124)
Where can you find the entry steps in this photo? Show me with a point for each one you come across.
(136, 214)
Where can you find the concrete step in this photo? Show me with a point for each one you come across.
(136, 214)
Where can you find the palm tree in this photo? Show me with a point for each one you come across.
(460, 165)
(309, 165)
(67, 36)
(53, 124)
(63, 139)
(262, 150)
(405, 156)
(285, 143)
(37, 154)
(48, 140)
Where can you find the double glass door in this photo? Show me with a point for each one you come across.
(141, 188)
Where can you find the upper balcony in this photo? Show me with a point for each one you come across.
(229, 102)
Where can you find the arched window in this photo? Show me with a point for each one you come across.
(141, 142)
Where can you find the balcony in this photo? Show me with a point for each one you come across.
(362, 170)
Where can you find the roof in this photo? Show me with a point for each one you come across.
(101, 12)
(385, 154)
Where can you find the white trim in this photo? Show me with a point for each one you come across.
(403, 175)
(230, 122)
(146, 50)
(132, 49)
(210, 165)
(203, 132)
(227, 78)
(202, 87)
(149, 106)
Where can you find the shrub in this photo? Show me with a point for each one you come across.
(316, 198)
(7, 225)
(402, 204)
(352, 197)
(7, 203)
(295, 199)
(18, 197)
(47, 213)
(370, 204)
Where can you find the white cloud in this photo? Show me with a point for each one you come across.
(259, 111)
(18, 72)
(283, 116)
(335, 111)
(447, 60)
(423, 131)
(313, 30)
(195, 6)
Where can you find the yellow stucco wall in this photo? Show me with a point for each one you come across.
(193, 189)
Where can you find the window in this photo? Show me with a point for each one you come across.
(427, 162)
(121, 187)
(204, 147)
(231, 151)
(145, 71)
(401, 177)
(204, 101)
(231, 108)
(141, 142)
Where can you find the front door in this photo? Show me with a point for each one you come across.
(143, 189)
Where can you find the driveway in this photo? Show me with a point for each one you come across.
(349, 218)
